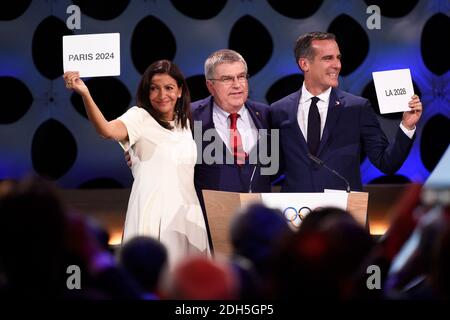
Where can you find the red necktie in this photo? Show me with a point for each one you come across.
(236, 141)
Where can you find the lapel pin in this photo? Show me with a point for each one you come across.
(337, 102)
(257, 113)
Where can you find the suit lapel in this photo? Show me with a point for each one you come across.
(334, 108)
(258, 121)
(255, 115)
(206, 115)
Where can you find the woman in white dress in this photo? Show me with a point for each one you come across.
(163, 203)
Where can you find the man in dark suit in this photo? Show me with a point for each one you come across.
(333, 125)
(228, 157)
(232, 169)
(230, 131)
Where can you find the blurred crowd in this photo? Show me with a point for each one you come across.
(330, 256)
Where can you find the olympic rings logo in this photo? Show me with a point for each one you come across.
(295, 216)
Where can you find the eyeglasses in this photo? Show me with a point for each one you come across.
(229, 80)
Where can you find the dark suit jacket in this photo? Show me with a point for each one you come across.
(351, 125)
(228, 177)
(223, 176)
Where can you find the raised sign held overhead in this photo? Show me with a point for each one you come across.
(93, 55)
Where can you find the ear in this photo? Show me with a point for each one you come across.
(210, 87)
(303, 63)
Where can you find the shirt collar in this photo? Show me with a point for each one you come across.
(223, 115)
(306, 95)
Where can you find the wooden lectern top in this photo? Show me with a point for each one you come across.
(221, 207)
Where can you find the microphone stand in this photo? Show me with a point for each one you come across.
(321, 163)
(256, 165)
(251, 178)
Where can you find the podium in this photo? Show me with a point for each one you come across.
(221, 206)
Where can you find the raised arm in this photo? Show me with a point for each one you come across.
(114, 129)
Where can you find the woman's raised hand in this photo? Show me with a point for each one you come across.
(73, 82)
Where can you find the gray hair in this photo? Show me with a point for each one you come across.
(303, 45)
(219, 57)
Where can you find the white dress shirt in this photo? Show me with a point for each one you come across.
(245, 125)
(303, 110)
(322, 105)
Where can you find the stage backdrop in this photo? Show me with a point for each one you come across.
(44, 129)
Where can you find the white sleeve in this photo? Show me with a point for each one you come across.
(409, 133)
(133, 120)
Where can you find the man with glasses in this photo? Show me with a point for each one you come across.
(235, 123)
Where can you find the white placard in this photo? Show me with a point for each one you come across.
(295, 206)
(93, 55)
(394, 90)
(339, 191)
(334, 191)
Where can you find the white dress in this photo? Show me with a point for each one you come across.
(163, 203)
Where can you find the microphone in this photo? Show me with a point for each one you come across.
(251, 178)
(321, 163)
(260, 134)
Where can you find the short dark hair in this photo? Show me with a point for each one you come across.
(303, 47)
(182, 107)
